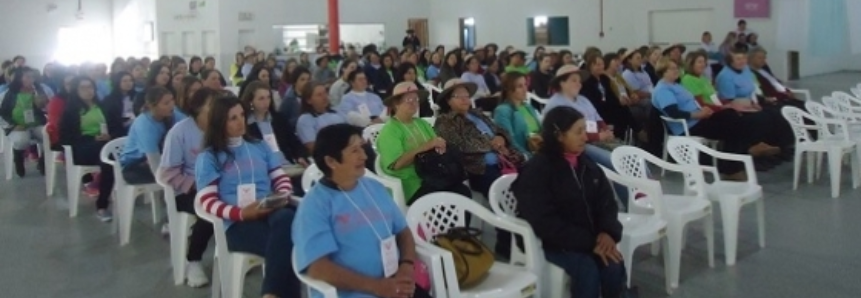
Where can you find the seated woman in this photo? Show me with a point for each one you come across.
(596, 88)
(22, 113)
(737, 85)
(316, 114)
(212, 79)
(291, 103)
(84, 127)
(568, 201)
(267, 125)
(514, 115)
(141, 153)
(342, 85)
(698, 84)
(404, 137)
(385, 76)
(359, 103)
(626, 95)
(181, 146)
(157, 76)
(771, 87)
(347, 223)
(233, 175)
(119, 104)
(485, 147)
(473, 74)
(55, 109)
(740, 135)
(406, 72)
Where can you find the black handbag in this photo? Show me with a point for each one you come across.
(440, 171)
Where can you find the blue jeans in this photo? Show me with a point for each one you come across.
(272, 239)
(589, 277)
(601, 156)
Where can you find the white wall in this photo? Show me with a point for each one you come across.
(626, 24)
(129, 17)
(30, 30)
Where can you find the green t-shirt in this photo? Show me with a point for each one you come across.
(699, 86)
(531, 122)
(394, 140)
(23, 103)
(522, 69)
(91, 122)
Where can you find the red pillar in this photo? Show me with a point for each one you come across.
(334, 28)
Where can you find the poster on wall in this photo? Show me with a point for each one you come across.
(752, 9)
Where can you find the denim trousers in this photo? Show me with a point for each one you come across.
(270, 238)
(590, 278)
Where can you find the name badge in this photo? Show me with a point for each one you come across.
(103, 128)
(389, 253)
(272, 142)
(715, 100)
(591, 127)
(364, 110)
(29, 117)
(247, 194)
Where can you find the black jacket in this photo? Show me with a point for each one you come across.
(608, 105)
(383, 82)
(8, 105)
(539, 83)
(564, 215)
(112, 107)
(285, 135)
(70, 123)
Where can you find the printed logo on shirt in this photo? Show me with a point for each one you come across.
(350, 221)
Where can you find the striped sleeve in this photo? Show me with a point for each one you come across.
(280, 181)
(213, 205)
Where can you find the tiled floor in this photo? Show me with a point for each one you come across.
(811, 250)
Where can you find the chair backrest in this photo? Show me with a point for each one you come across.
(371, 133)
(46, 142)
(430, 120)
(502, 200)
(687, 151)
(648, 188)
(849, 99)
(795, 117)
(631, 162)
(856, 91)
(110, 153)
(310, 176)
(438, 212)
(219, 233)
(532, 96)
(668, 120)
(67, 155)
(841, 105)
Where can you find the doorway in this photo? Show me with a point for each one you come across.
(793, 60)
(467, 33)
(420, 26)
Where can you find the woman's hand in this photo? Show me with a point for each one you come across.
(497, 143)
(436, 143)
(704, 113)
(395, 287)
(606, 135)
(605, 248)
(302, 162)
(406, 272)
(254, 212)
(103, 137)
(624, 100)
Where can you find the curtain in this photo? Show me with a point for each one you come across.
(792, 24)
(854, 25)
(828, 29)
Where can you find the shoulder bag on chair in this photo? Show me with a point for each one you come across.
(440, 170)
(472, 259)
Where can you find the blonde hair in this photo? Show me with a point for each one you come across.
(663, 64)
(691, 59)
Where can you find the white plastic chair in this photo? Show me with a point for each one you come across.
(679, 210)
(805, 94)
(313, 174)
(533, 97)
(834, 144)
(371, 133)
(668, 136)
(2, 143)
(436, 213)
(430, 120)
(554, 281)
(327, 290)
(850, 101)
(228, 274)
(310, 177)
(178, 224)
(74, 173)
(51, 162)
(731, 195)
(124, 193)
(639, 229)
(8, 156)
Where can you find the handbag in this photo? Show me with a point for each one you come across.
(505, 166)
(440, 170)
(472, 259)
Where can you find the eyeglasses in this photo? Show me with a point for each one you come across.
(410, 98)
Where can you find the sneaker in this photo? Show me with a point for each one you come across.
(165, 230)
(91, 189)
(104, 215)
(195, 277)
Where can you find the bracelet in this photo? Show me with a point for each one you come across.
(410, 262)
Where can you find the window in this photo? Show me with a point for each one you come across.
(76, 45)
(547, 31)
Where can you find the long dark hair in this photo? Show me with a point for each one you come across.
(191, 62)
(556, 122)
(254, 76)
(116, 80)
(61, 90)
(71, 118)
(215, 137)
(306, 94)
(192, 106)
(154, 70)
(248, 97)
(17, 78)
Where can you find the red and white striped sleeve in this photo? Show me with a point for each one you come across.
(280, 181)
(212, 204)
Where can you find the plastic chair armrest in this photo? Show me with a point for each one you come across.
(804, 92)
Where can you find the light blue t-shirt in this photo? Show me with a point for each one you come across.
(478, 79)
(432, 73)
(731, 84)
(582, 105)
(353, 100)
(145, 136)
(103, 89)
(251, 163)
(639, 81)
(178, 115)
(308, 125)
(490, 158)
(666, 94)
(182, 145)
(344, 226)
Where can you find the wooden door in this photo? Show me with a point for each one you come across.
(420, 26)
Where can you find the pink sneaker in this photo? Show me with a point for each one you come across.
(91, 189)
(33, 153)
